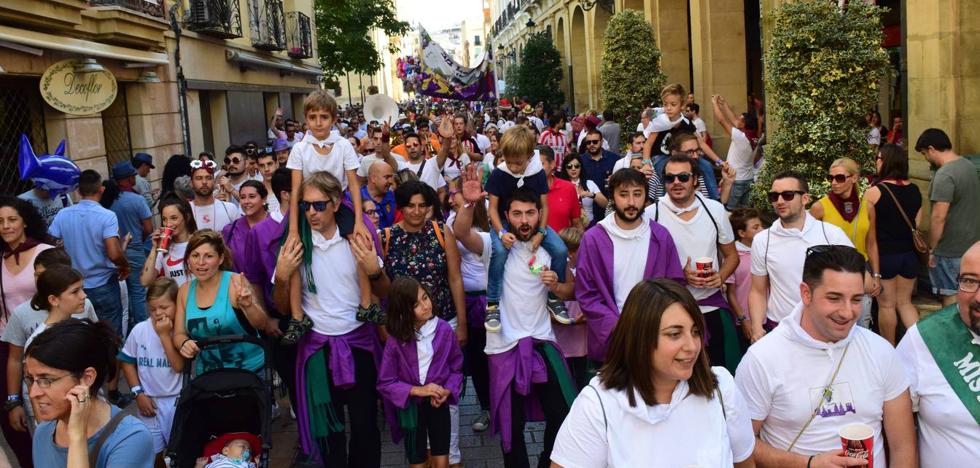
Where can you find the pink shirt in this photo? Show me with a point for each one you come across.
(572, 338)
(742, 278)
(19, 288)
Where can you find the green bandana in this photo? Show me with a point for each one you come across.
(957, 356)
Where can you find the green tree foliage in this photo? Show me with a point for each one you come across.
(538, 77)
(631, 77)
(343, 29)
(823, 67)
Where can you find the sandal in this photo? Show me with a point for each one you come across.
(372, 313)
(296, 329)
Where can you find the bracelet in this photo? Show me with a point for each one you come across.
(810, 460)
(14, 397)
(11, 404)
(375, 276)
(182, 343)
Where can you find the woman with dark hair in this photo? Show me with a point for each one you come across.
(65, 367)
(178, 165)
(895, 210)
(656, 402)
(216, 302)
(251, 200)
(177, 216)
(588, 192)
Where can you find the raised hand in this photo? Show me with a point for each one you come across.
(472, 190)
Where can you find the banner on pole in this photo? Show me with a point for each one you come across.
(441, 76)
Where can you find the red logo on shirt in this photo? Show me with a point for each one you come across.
(173, 263)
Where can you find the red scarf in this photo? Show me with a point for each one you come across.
(28, 244)
(847, 207)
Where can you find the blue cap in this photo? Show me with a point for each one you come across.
(123, 170)
(143, 158)
(279, 145)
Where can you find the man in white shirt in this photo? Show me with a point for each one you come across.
(941, 355)
(526, 368)
(817, 372)
(209, 213)
(778, 252)
(740, 152)
(701, 230)
(428, 171)
(236, 175)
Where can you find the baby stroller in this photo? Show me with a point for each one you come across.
(221, 401)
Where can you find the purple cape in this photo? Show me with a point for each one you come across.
(263, 246)
(235, 235)
(341, 362)
(594, 275)
(399, 371)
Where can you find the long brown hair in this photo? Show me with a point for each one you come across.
(403, 295)
(629, 361)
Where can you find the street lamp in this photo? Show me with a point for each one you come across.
(530, 23)
(590, 4)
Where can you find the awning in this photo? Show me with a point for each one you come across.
(246, 58)
(79, 46)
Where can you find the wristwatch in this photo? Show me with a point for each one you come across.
(542, 231)
(12, 402)
(136, 389)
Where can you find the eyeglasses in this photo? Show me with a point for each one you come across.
(43, 382)
(317, 206)
(683, 177)
(371, 212)
(592, 142)
(788, 195)
(573, 166)
(839, 178)
(968, 284)
(208, 164)
(693, 152)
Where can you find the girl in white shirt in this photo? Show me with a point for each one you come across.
(177, 215)
(656, 402)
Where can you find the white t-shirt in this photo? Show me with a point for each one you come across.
(696, 237)
(523, 301)
(342, 157)
(431, 172)
(630, 249)
(699, 125)
(272, 204)
(474, 267)
(144, 349)
(333, 308)
(874, 136)
(689, 431)
(423, 347)
(783, 263)
(171, 264)
(740, 155)
(482, 142)
(587, 202)
(783, 375)
(948, 433)
(216, 215)
(24, 320)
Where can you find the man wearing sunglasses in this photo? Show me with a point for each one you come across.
(778, 252)
(597, 165)
(236, 175)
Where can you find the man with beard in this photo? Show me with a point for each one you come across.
(941, 355)
(526, 367)
(597, 164)
(209, 213)
(700, 229)
(618, 253)
(236, 175)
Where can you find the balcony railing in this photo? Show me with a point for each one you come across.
(299, 35)
(149, 7)
(268, 27)
(219, 18)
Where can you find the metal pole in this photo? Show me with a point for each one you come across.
(181, 82)
(360, 78)
(350, 100)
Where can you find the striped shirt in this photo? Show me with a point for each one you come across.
(556, 140)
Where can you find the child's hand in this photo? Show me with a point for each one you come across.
(146, 405)
(290, 257)
(361, 231)
(536, 242)
(508, 239)
(163, 325)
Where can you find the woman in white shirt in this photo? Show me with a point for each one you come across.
(177, 215)
(656, 402)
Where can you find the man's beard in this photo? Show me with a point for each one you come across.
(522, 237)
(975, 317)
(621, 214)
(204, 192)
(235, 174)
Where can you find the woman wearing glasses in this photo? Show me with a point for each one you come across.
(588, 192)
(65, 367)
(844, 208)
(655, 390)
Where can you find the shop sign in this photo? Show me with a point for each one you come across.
(77, 93)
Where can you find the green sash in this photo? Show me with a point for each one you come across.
(323, 418)
(408, 420)
(951, 345)
(554, 360)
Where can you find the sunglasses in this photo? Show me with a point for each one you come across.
(197, 164)
(788, 195)
(592, 142)
(573, 166)
(819, 249)
(839, 178)
(683, 177)
(234, 160)
(318, 206)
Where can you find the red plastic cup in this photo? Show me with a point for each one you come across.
(165, 240)
(704, 266)
(858, 441)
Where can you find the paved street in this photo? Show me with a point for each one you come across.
(479, 450)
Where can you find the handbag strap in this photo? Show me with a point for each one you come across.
(601, 405)
(901, 209)
(107, 430)
(826, 389)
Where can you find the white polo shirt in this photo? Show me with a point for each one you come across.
(338, 161)
(689, 431)
(948, 433)
(523, 301)
(779, 253)
(782, 377)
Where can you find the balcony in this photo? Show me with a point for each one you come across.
(152, 8)
(299, 35)
(218, 18)
(267, 25)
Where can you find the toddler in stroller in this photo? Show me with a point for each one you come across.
(235, 452)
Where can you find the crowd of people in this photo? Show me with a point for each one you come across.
(618, 286)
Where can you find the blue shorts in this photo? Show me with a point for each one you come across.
(944, 276)
(904, 264)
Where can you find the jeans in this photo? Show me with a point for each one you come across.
(107, 303)
(137, 293)
(741, 192)
(706, 168)
(498, 258)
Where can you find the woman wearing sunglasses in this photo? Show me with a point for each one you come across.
(588, 192)
(844, 208)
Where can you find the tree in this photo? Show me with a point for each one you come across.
(343, 30)
(538, 77)
(823, 67)
(631, 77)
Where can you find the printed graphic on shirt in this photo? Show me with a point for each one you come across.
(837, 400)
(144, 360)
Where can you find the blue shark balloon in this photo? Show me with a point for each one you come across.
(55, 173)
